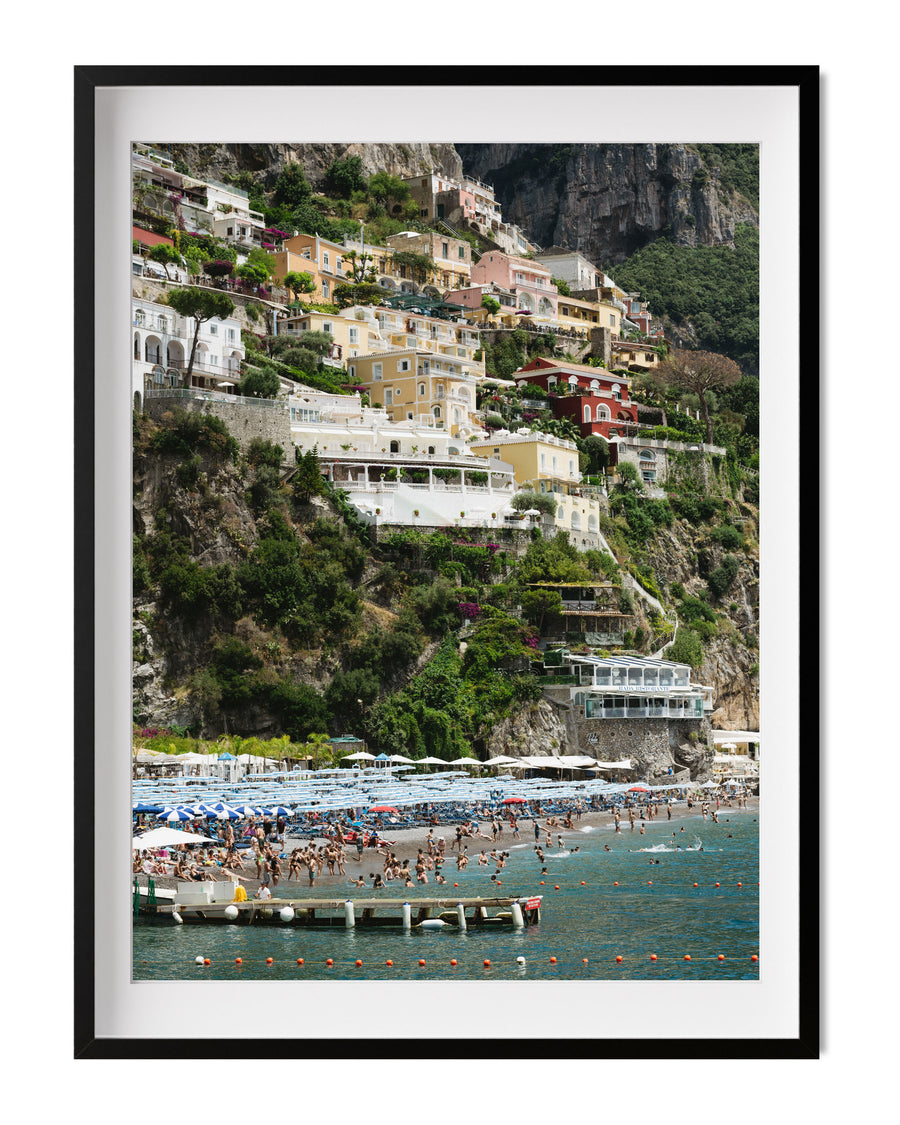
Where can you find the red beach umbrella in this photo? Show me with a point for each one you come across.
(514, 801)
(383, 808)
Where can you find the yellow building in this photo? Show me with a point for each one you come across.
(547, 464)
(452, 257)
(307, 253)
(415, 384)
(354, 331)
(581, 314)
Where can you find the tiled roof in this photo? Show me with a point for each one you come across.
(148, 238)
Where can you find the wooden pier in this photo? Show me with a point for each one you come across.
(167, 905)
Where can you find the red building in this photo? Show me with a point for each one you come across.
(591, 396)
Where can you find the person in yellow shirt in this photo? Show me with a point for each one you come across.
(240, 895)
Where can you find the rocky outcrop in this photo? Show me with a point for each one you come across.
(608, 200)
(534, 730)
(404, 160)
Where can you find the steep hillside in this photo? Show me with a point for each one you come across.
(258, 611)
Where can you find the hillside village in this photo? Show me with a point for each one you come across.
(456, 382)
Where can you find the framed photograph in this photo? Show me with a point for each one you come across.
(440, 590)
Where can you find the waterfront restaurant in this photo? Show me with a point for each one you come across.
(630, 687)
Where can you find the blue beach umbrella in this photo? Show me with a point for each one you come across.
(277, 810)
(226, 757)
(171, 815)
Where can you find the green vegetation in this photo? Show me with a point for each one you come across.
(715, 289)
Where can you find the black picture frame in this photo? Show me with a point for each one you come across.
(88, 592)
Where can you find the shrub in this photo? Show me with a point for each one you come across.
(722, 577)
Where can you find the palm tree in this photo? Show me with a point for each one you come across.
(316, 743)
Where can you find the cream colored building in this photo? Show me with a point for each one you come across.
(547, 464)
(414, 384)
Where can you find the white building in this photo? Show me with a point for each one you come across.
(161, 349)
(630, 687)
(572, 267)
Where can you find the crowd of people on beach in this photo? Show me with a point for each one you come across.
(262, 856)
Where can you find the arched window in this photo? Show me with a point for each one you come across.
(421, 389)
(587, 413)
(602, 414)
(431, 451)
(137, 346)
(592, 522)
(436, 411)
(395, 447)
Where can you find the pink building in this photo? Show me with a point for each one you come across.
(528, 280)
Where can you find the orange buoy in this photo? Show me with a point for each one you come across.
(687, 956)
(542, 882)
(421, 962)
(618, 957)
(583, 883)
(740, 884)
(358, 963)
(329, 961)
(552, 960)
(205, 960)
(499, 884)
(452, 960)
(456, 884)
(753, 957)
(721, 956)
(268, 960)
(649, 882)
(615, 884)
(238, 961)
(584, 960)
(695, 884)
(390, 964)
(556, 888)
(717, 884)
(487, 964)
(299, 960)
(653, 957)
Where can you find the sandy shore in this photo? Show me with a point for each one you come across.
(405, 842)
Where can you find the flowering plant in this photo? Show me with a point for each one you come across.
(470, 610)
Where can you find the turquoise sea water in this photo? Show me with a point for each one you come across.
(598, 921)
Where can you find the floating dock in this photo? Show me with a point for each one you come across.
(206, 903)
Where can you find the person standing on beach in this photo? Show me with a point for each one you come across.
(537, 831)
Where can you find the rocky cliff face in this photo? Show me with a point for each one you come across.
(608, 200)
(402, 160)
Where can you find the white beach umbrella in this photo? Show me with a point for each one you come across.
(431, 762)
(472, 762)
(360, 757)
(168, 837)
(400, 758)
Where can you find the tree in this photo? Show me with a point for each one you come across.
(316, 744)
(166, 255)
(698, 373)
(363, 294)
(562, 286)
(202, 305)
(597, 451)
(307, 481)
(260, 383)
(292, 187)
(536, 604)
(384, 187)
(298, 282)
(491, 304)
(345, 176)
(253, 274)
(359, 271)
